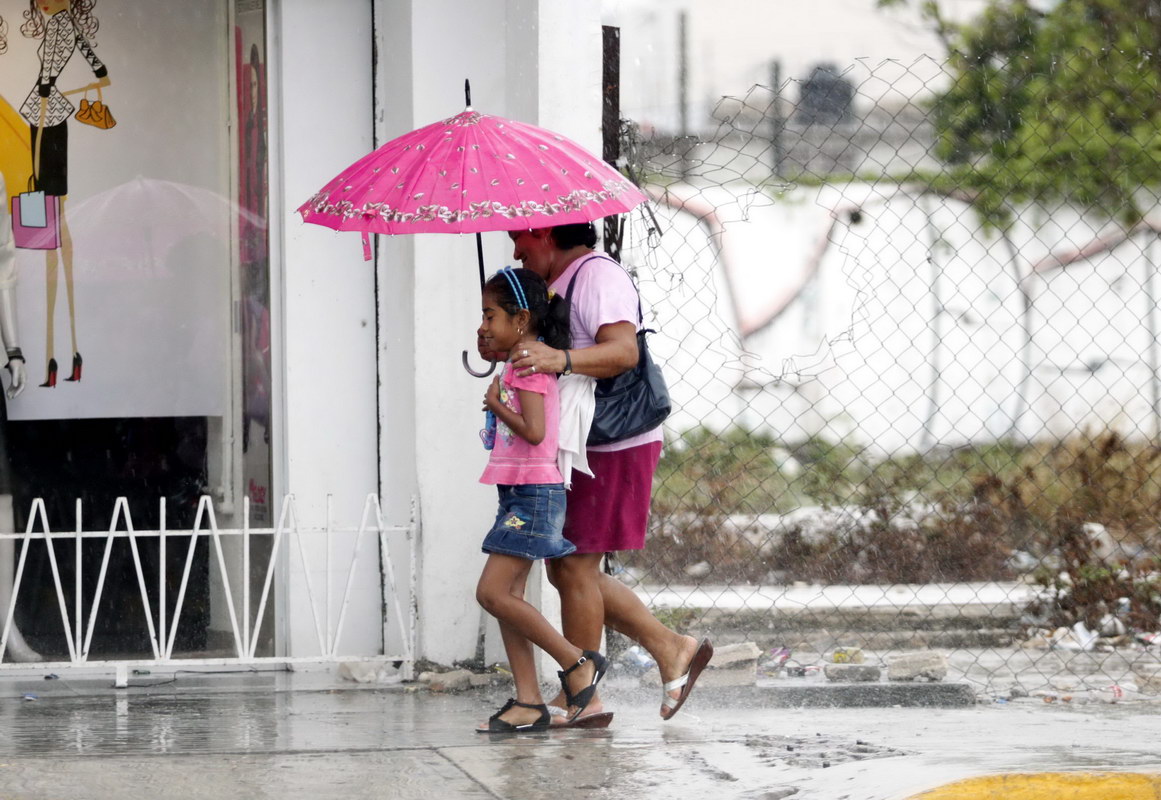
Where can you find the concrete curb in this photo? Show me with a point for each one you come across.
(829, 695)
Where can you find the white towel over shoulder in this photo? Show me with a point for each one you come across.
(577, 405)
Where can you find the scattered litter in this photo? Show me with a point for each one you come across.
(357, 671)
(637, 659)
(847, 655)
(1078, 637)
(1110, 694)
(777, 660)
(800, 670)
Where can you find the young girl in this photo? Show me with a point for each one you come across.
(528, 524)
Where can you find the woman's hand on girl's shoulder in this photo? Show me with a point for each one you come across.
(537, 357)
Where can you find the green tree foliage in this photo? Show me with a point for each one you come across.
(1060, 105)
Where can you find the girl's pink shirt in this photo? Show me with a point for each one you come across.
(514, 461)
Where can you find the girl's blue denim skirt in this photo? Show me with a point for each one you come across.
(529, 522)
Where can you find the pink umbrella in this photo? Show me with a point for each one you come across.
(468, 174)
(471, 173)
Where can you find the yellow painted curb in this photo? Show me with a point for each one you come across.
(1052, 786)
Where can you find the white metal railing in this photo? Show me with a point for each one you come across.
(398, 598)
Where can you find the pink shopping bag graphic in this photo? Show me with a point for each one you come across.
(36, 231)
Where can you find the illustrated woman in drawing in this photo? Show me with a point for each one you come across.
(63, 26)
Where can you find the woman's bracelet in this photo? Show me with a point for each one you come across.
(15, 353)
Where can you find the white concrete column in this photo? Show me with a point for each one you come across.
(429, 286)
(322, 99)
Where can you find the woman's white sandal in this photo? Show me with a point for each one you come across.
(701, 657)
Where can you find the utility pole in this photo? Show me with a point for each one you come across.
(777, 123)
(683, 74)
(611, 125)
(683, 90)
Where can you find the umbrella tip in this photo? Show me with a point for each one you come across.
(468, 94)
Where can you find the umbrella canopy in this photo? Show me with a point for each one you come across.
(133, 226)
(471, 173)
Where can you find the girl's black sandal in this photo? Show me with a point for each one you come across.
(497, 725)
(581, 699)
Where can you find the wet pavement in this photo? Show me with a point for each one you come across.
(316, 737)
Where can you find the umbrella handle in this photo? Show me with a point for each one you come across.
(490, 370)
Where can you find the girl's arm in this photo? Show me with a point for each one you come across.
(529, 424)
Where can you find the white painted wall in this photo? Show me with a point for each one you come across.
(527, 59)
(324, 119)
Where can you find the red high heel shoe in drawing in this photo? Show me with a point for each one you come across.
(50, 382)
(78, 362)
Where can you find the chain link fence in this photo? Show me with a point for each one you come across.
(917, 405)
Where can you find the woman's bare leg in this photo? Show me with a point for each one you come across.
(578, 578)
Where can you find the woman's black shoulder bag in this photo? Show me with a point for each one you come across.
(633, 402)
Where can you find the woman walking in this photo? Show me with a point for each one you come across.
(607, 512)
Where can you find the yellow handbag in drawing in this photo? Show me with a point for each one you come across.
(95, 113)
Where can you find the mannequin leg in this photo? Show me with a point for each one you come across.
(66, 252)
(18, 650)
(51, 262)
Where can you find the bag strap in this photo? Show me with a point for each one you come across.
(575, 275)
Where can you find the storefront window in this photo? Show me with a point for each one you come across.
(143, 308)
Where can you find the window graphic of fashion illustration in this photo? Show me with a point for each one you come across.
(39, 217)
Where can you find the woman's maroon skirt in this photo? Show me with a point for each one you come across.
(609, 512)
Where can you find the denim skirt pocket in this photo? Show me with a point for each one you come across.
(529, 522)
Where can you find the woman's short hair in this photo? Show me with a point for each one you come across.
(583, 234)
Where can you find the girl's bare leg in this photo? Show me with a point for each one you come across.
(501, 593)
